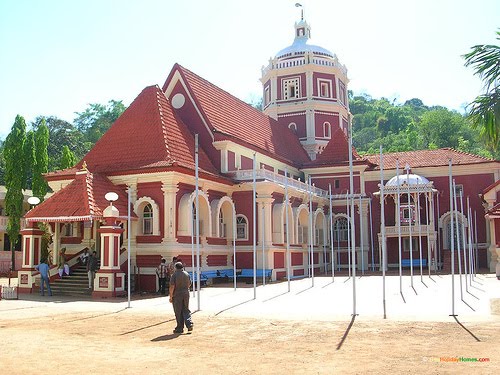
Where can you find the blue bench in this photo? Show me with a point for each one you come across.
(416, 262)
(194, 278)
(248, 273)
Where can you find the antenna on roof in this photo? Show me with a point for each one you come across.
(299, 5)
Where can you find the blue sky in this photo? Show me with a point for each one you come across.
(56, 57)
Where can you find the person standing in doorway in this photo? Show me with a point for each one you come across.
(92, 268)
(179, 297)
(44, 268)
(162, 272)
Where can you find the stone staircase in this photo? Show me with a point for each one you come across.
(76, 283)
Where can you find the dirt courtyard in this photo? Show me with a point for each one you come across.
(278, 332)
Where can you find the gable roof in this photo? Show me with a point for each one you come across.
(427, 158)
(147, 135)
(81, 200)
(231, 118)
(336, 152)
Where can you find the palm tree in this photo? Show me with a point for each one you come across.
(484, 111)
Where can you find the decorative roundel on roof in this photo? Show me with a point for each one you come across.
(178, 101)
(411, 179)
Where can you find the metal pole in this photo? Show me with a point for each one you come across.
(398, 216)
(234, 245)
(353, 229)
(469, 224)
(254, 229)
(419, 231)
(193, 229)
(427, 208)
(348, 210)
(458, 239)
(263, 248)
(452, 238)
(331, 230)
(129, 227)
(476, 259)
(409, 225)
(371, 234)
(311, 232)
(463, 240)
(382, 229)
(288, 257)
(198, 278)
(361, 242)
(438, 237)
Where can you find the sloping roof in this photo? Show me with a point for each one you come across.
(336, 152)
(81, 200)
(228, 115)
(147, 135)
(427, 158)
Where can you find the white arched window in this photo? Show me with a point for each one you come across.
(340, 229)
(241, 227)
(293, 127)
(327, 130)
(147, 219)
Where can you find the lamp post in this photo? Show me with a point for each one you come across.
(112, 197)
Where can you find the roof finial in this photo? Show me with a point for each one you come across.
(84, 166)
(299, 5)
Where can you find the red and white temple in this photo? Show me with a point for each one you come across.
(303, 130)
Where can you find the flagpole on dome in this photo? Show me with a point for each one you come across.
(299, 5)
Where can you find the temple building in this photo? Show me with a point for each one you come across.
(297, 150)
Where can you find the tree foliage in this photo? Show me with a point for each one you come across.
(484, 111)
(41, 160)
(68, 158)
(14, 150)
(97, 119)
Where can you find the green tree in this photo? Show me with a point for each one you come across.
(97, 119)
(14, 179)
(42, 160)
(62, 133)
(29, 159)
(484, 111)
(68, 158)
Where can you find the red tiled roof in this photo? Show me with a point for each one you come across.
(147, 135)
(491, 187)
(82, 199)
(336, 151)
(230, 116)
(494, 211)
(427, 158)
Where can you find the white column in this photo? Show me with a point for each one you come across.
(170, 190)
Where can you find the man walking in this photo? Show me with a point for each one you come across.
(179, 297)
(43, 268)
(162, 272)
(91, 268)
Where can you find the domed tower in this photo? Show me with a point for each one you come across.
(305, 87)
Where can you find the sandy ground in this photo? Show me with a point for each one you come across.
(307, 330)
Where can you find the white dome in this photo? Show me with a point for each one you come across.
(300, 46)
(411, 179)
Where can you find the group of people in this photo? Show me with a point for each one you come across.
(89, 260)
(172, 273)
